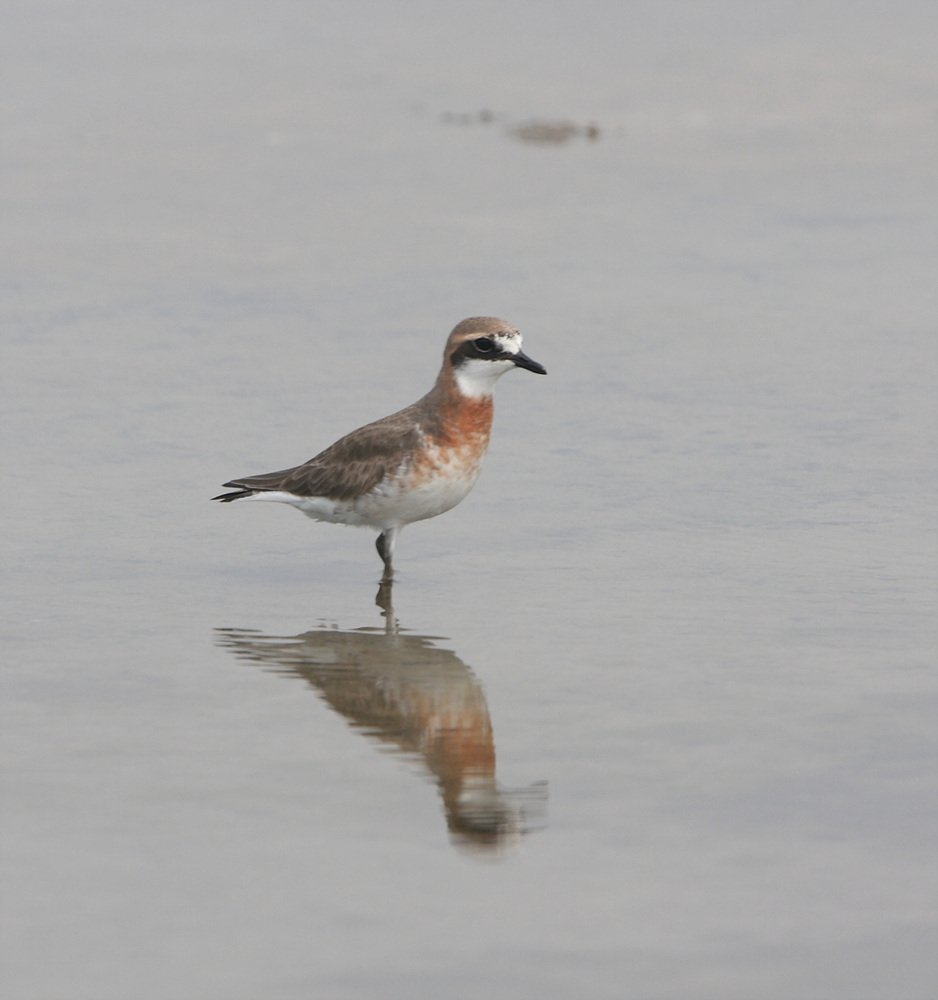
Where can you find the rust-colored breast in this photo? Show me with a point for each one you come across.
(462, 434)
(451, 457)
(465, 419)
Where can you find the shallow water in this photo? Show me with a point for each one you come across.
(653, 711)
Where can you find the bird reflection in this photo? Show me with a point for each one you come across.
(405, 692)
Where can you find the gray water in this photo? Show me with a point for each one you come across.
(651, 714)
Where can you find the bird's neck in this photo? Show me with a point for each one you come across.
(459, 416)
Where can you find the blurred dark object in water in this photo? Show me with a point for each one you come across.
(546, 132)
(536, 132)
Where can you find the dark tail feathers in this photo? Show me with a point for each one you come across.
(236, 495)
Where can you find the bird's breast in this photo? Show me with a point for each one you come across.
(456, 445)
(446, 466)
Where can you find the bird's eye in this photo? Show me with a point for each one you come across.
(484, 345)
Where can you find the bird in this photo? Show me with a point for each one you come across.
(414, 464)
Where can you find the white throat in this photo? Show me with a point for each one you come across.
(476, 378)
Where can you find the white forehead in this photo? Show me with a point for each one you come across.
(508, 341)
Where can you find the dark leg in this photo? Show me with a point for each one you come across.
(383, 600)
(385, 546)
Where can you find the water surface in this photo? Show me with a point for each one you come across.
(653, 712)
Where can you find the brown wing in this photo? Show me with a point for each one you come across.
(351, 467)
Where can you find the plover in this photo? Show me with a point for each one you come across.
(414, 464)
